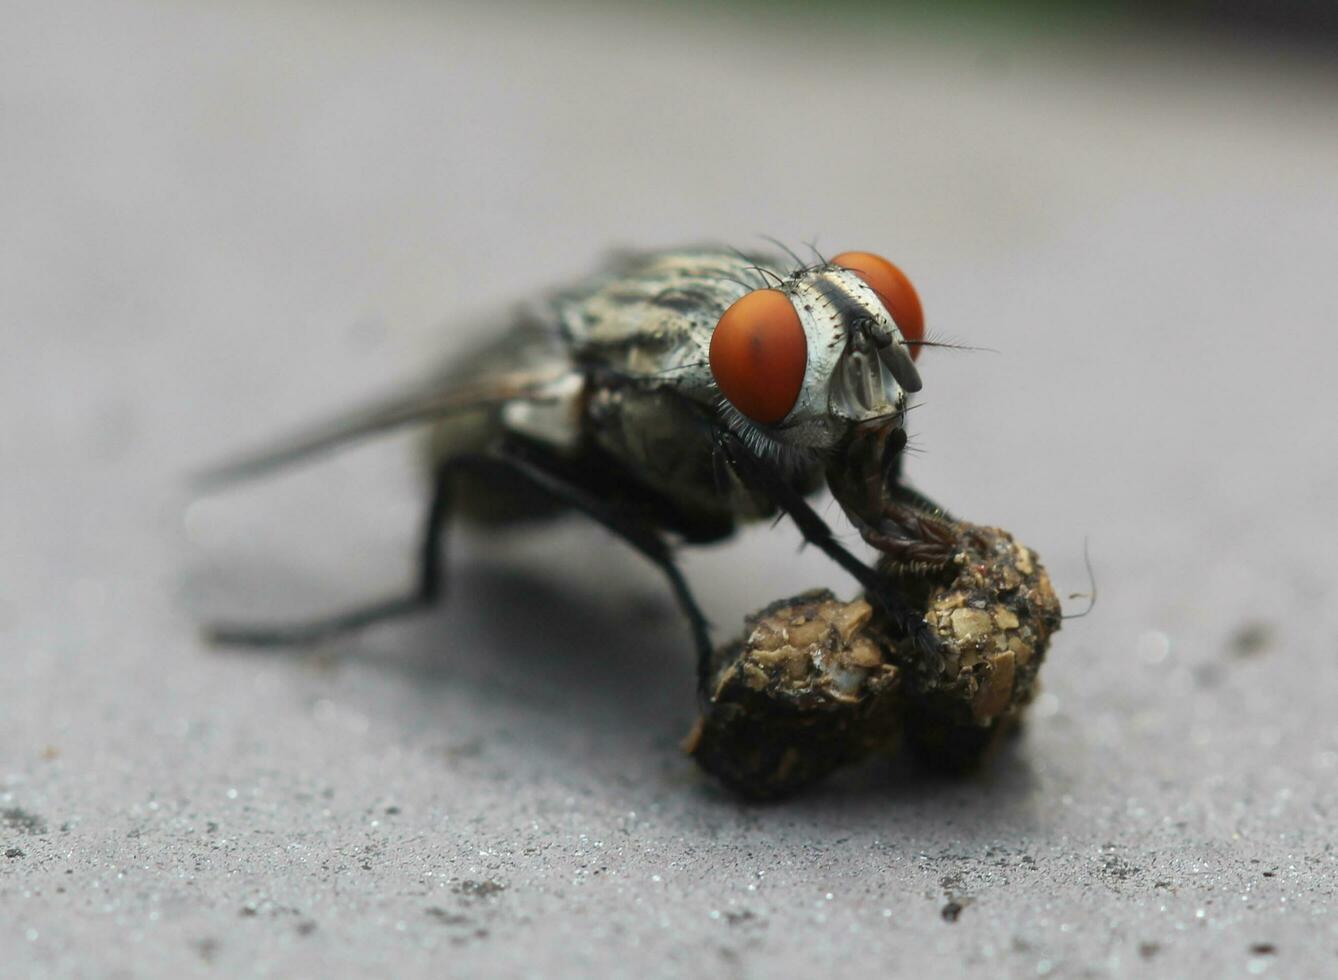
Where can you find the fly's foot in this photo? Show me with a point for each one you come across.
(912, 541)
(261, 636)
(311, 632)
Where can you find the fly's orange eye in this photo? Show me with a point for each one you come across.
(758, 355)
(893, 288)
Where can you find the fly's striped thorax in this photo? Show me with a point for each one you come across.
(651, 317)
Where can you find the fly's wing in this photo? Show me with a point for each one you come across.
(525, 362)
(649, 317)
(396, 412)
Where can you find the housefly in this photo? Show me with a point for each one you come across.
(671, 397)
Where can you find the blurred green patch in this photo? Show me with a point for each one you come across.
(1308, 21)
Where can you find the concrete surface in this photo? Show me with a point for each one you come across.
(222, 221)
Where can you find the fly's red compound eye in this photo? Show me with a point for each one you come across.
(893, 288)
(758, 355)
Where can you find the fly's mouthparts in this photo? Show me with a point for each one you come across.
(863, 386)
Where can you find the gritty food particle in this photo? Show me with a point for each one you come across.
(815, 683)
(805, 691)
(446, 918)
(479, 889)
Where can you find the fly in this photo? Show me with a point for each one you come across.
(670, 398)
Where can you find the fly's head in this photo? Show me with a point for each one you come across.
(829, 348)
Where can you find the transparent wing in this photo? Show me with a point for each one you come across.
(422, 405)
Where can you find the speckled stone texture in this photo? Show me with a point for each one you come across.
(220, 221)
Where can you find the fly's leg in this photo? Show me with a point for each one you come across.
(911, 540)
(547, 473)
(914, 534)
(425, 592)
(910, 497)
(511, 460)
(765, 479)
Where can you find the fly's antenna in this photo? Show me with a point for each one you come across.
(947, 345)
(800, 265)
(1090, 594)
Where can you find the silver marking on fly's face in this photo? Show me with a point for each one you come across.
(858, 366)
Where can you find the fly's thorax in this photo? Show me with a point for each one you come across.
(651, 318)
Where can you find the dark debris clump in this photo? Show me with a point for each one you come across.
(808, 689)
(815, 683)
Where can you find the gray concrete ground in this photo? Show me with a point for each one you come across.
(219, 221)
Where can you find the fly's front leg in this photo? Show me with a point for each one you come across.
(914, 533)
(763, 478)
(911, 540)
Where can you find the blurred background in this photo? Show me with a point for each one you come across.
(221, 221)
